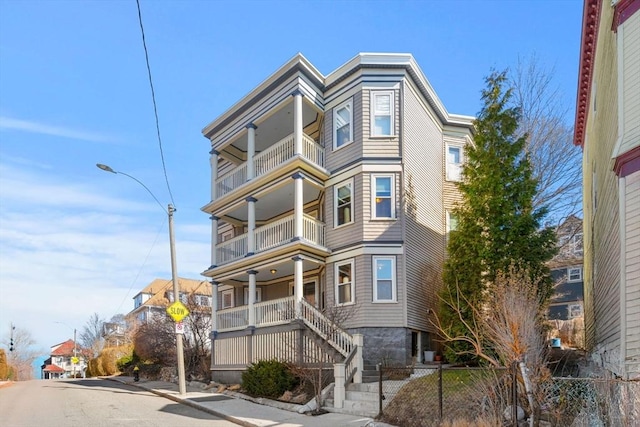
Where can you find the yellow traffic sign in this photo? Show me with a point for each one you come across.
(177, 311)
(75, 360)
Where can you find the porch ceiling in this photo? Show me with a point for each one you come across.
(277, 126)
(283, 268)
(276, 202)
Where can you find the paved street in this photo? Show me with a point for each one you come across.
(92, 403)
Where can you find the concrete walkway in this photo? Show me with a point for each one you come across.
(245, 412)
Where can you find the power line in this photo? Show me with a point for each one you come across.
(153, 99)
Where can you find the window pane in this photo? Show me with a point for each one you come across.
(344, 205)
(383, 269)
(384, 289)
(344, 273)
(344, 294)
(382, 125)
(383, 187)
(383, 207)
(382, 103)
(454, 155)
(343, 135)
(343, 125)
(453, 222)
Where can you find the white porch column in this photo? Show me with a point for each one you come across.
(214, 240)
(298, 206)
(214, 308)
(213, 160)
(339, 392)
(297, 283)
(251, 150)
(251, 232)
(252, 297)
(297, 121)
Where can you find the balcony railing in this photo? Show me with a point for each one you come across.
(269, 236)
(268, 160)
(268, 313)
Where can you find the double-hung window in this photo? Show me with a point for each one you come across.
(384, 279)
(227, 298)
(246, 295)
(344, 282)
(574, 274)
(342, 124)
(343, 203)
(454, 163)
(382, 113)
(383, 197)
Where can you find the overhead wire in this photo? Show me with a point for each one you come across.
(153, 99)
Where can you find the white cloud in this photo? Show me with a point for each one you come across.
(70, 249)
(41, 128)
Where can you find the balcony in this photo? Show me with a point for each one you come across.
(271, 235)
(269, 160)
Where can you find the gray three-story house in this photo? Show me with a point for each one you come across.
(330, 207)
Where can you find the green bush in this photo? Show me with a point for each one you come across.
(268, 378)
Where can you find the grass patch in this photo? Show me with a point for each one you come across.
(416, 403)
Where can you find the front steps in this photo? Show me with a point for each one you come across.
(364, 399)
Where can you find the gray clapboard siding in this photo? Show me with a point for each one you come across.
(632, 269)
(349, 233)
(380, 229)
(423, 189)
(336, 159)
(379, 146)
(631, 89)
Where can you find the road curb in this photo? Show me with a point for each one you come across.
(188, 402)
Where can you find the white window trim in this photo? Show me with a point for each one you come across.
(348, 103)
(392, 109)
(569, 279)
(449, 174)
(246, 295)
(222, 295)
(352, 283)
(348, 183)
(373, 197)
(393, 279)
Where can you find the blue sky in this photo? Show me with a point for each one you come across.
(74, 92)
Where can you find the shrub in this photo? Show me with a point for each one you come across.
(268, 378)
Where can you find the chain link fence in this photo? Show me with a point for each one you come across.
(450, 396)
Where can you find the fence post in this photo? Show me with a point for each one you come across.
(380, 395)
(514, 394)
(440, 397)
(338, 389)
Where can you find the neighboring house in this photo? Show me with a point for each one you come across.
(330, 200)
(114, 333)
(152, 301)
(61, 363)
(608, 128)
(566, 270)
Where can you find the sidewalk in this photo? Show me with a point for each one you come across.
(244, 412)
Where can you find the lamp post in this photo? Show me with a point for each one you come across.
(75, 348)
(174, 275)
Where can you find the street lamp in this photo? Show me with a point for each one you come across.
(75, 349)
(176, 288)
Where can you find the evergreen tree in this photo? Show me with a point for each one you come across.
(498, 226)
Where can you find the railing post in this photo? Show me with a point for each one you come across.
(358, 340)
(297, 284)
(339, 392)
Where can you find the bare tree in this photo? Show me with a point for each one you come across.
(91, 335)
(508, 328)
(316, 368)
(24, 353)
(197, 342)
(557, 164)
(155, 341)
